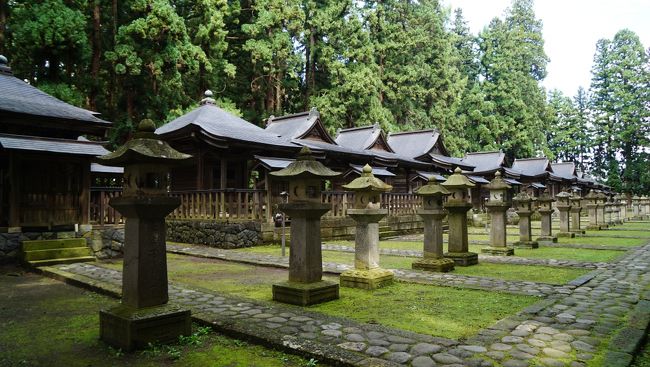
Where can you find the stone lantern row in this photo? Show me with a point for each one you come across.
(641, 207)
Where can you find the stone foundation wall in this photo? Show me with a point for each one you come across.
(105, 241)
(10, 242)
(216, 234)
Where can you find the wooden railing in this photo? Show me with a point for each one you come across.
(100, 212)
(242, 204)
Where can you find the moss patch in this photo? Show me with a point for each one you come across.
(48, 323)
(439, 311)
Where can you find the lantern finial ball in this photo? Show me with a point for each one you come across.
(147, 126)
(367, 170)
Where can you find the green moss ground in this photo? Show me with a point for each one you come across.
(605, 241)
(48, 323)
(439, 311)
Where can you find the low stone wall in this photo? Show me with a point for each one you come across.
(105, 241)
(225, 235)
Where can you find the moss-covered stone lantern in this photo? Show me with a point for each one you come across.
(457, 206)
(545, 209)
(622, 207)
(576, 209)
(367, 213)
(144, 315)
(523, 204)
(432, 213)
(636, 206)
(305, 286)
(646, 206)
(564, 207)
(497, 205)
(591, 200)
(600, 211)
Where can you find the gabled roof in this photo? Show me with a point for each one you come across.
(566, 170)
(51, 145)
(214, 122)
(303, 125)
(417, 144)
(363, 138)
(450, 162)
(532, 167)
(485, 162)
(377, 171)
(19, 97)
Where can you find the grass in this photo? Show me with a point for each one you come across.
(440, 311)
(49, 323)
(615, 232)
(501, 271)
(605, 241)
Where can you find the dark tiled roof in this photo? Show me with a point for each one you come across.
(19, 97)
(477, 179)
(485, 161)
(450, 162)
(273, 163)
(298, 126)
(219, 123)
(358, 137)
(413, 144)
(51, 145)
(100, 168)
(377, 171)
(532, 167)
(566, 170)
(426, 175)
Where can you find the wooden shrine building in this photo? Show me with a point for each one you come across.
(44, 167)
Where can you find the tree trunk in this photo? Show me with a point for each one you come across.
(3, 22)
(96, 57)
(310, 68)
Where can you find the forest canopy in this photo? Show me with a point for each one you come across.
(405, 65)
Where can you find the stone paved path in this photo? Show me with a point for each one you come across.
(565, 329)
(486, 258)
(420, 238)
(413, 276)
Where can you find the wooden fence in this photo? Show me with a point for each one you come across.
(242, 204)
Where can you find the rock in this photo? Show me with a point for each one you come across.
(376, 351)
(446, 358)
(425, 348)
(422, 361)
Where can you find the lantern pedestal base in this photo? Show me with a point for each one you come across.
(366, 279)
(305, 294)
(546, 239)
(462, 258)
(566, 234)
(127, 328)
(526, 244)
(498, 251)
(578, 231)
(592, 227)
(429, 264)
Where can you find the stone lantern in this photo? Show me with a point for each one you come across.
(592, 210)
(636, 207)
(609, 210)
(646, 206)
(600, 211)
(305, 285)
(144, 315)
(523, 206)
(497, 205)
(457, 206)
(622, 207)
(366, 213)
(615, 209)
(545, 208)
(564, 207)
(432, 213)
(576, 209)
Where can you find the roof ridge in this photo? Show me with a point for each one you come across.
(485, 152)
(49, 138)
(530, 159)
(273, 119)
(414, 132)
(357, 128)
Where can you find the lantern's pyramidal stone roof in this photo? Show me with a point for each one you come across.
(368, 182)
(305, 166)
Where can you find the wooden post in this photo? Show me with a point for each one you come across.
(267, 186)
(224, 173)
(84, 198)
(14, 191)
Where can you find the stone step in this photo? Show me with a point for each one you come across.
(69, 260)
(388, 234)
(53, 244)
(56, 253)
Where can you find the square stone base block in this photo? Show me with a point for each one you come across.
(305, 294)
(593, 228)
(462, 258)
(440, 265)
(578, 231)
(498, 251)
(566, 234)
(546, 239)
(128, 329)
(366, 279)
(526, 244)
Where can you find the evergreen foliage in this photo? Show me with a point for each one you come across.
(402, 64)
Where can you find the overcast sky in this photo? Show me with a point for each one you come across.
(571, 29)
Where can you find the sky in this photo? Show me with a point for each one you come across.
(570, 29)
